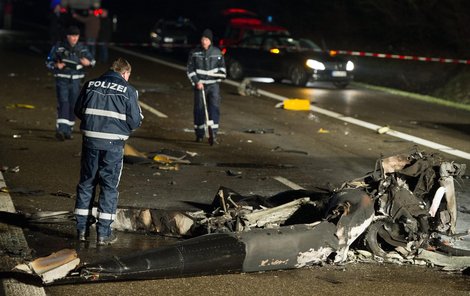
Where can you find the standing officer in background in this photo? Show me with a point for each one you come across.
(104, 36)
(67, 61)
(56, 21)
(205, 69)
(92, 28)
(109, 111)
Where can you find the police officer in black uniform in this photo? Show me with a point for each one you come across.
(67, 61)
(109, 111)
(205, 69)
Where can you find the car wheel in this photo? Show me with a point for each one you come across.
(382, 237)
(298, 76)
(374, 242)
(235, 70)
(341, 84)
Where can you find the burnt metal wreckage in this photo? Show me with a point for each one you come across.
(405, 207)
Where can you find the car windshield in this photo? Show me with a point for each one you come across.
(309, 44)
(253, 42)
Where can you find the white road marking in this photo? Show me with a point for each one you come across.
(149, 58)
(10, 285)
(374, 127)
(152, 110)
(365, 124)
(288, 183)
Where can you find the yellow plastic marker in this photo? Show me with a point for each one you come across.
(162, 158)
(297, 104)
(24, 106)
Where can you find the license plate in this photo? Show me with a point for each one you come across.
(339, 74)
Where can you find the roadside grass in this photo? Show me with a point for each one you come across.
(425, 98)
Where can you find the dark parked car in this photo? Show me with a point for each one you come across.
(285, 57)
(171, 35)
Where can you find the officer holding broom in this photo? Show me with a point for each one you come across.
(205, 69)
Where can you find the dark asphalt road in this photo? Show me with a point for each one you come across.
(344, 152)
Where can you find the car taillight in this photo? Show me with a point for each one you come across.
(98, 12)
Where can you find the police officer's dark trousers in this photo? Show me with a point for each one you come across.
(103, 168)
(67, 90)
(213, 104)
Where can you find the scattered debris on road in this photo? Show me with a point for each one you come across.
(247, 89)
(64, 194)
(280, 149)
(15, 169)
(403, 211)
(232, 173)
(260, 131)
(383, 130)
(165, 159)
(22, 106)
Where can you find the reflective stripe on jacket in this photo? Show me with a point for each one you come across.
(206, 66)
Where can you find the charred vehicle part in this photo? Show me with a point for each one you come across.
(410, 205)
(405, 207)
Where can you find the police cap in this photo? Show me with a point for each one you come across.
(73, 30)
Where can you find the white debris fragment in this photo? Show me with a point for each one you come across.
(364, 253)
(192, 154)
(420, 262)
(449, 262)
(313, 256)
(383, 130)
(55, 266)
(313, 117)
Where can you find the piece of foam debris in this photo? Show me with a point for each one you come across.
(55, 266)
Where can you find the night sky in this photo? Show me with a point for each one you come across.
(417, 27)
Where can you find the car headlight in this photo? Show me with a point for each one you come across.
(315, 65)
(349, 66)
